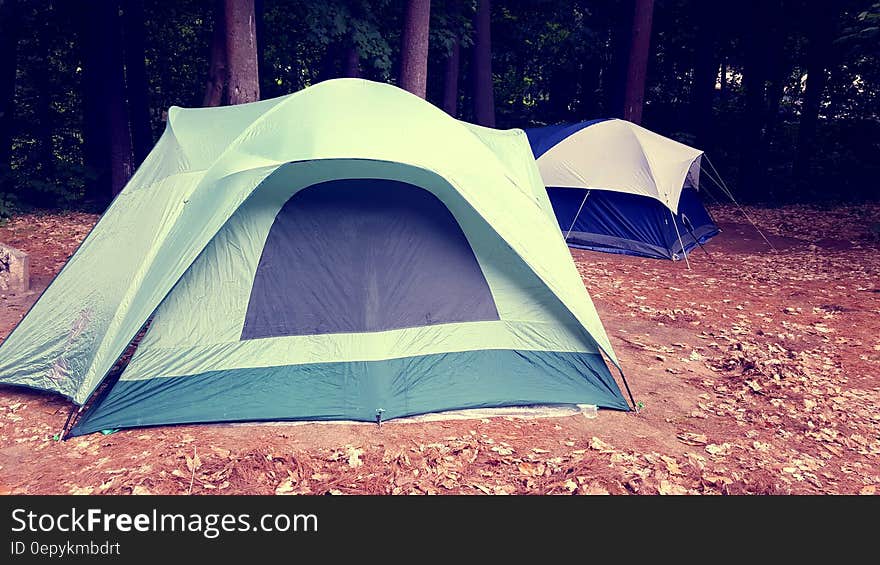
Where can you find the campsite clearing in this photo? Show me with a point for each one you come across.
(759, 373)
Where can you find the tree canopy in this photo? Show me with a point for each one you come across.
(784, 95)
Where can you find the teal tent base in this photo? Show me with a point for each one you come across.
(357, 390)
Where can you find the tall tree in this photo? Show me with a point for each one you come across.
(705, 75)
(618, 17)
(215, 87)
(260, 26)
(638, 61)
(136, 85)
(777, 68)
(821, 27)
(352, 63)
(243, 80)
(106, 134)
(328, 68)
(414, 52)
(588, 80)
(8, 64)
(341, 58)
(484, 96)
(755, 27)
(347, 38)
(121, 164)
(451, 72)
(41, 156)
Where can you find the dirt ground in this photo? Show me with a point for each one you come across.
(758, 372)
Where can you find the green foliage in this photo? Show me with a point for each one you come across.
(542, 52)
(45, 150)
(305, 41)
(451, 22)
(178, 35)
(863, 31)
(553, 61)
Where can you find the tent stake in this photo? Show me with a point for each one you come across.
(683, 250)
(379, 412)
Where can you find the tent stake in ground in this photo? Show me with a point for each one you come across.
(681, 243)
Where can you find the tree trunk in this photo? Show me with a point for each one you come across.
(136, 84)
(41, 157)
(619, 18)
(820, 31)
(484, 97)
(8, 65)
(107, 139)
(777, 69)
(328, 67)
(638, 61)
(705, 75)
(562, 86)
(265, 76)
(352, 66)
(414, 52)
(241, 52)
(450, 80)
(754, 77)
(774, 101)
(96, 144)
(121, 163)
(215, 88)
(589, 77)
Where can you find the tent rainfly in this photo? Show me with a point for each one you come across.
(620, 188)
(345, 252)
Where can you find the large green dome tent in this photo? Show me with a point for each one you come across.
(348, 251)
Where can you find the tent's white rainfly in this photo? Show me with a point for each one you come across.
(618, 187)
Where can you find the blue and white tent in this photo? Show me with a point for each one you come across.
(620, 188)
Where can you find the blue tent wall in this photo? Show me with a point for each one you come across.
(616, 222)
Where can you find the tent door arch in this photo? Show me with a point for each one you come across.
(364, 255)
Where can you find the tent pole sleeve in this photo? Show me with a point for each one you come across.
(721, 184)
(683, 250)
(578, 213)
